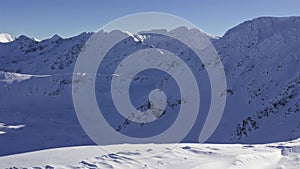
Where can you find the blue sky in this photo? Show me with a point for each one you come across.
(42, 19)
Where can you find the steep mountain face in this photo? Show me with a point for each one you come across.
(261, 61)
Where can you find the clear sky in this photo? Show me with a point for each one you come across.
(42, 19)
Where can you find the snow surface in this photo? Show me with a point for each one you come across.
(5, 38)
(261, 61)
(153, 156)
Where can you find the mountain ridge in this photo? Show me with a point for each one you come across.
(260, 61)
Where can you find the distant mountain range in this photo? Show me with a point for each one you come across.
(261, 58)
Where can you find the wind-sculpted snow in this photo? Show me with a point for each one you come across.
(169, 156)
(261, 61)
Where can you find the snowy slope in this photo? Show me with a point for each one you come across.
(49, 56)
(260, 57)
(5, 38)
(39, 96)
(153, 156)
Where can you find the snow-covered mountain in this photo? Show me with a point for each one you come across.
(4, 38)
(261, 58)
(261, 61)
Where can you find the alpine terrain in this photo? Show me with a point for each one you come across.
(261, 59)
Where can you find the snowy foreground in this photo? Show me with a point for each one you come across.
(196, 156)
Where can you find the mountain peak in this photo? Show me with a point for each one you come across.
(265, 26)
(55, 37)
(24, 38)
(5, 38)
